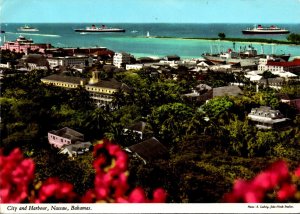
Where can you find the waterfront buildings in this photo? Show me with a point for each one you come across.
(23, 45)
(279, 66)
(121, 59)
(102, 52)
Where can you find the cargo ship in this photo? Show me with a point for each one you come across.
(102, 29)
(265, 30)
(246, 57)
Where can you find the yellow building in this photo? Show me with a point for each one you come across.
(101, 91)
(64, 81)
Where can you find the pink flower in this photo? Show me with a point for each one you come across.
(266, 180)
(137, 196)
(89, 197)
(297, 172)
(16, 175)
(53, 191)
(286, 192)
(253, 196)
(255, 190)
(281, 169)
(159, 196)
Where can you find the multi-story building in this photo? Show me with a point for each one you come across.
(101, 91)
(23, 45)
(121, 59)
(266, 118)
(70, 61)
(275, 66)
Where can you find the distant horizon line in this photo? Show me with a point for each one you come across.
(149, 23)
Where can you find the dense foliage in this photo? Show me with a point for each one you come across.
(210, 144)
(293, 37)
(110, 183)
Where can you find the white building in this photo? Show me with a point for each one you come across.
(121, 59)
(134, 66)
(6, 65)
(70, 61)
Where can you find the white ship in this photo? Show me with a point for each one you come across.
(28, 29)
(265, 30)
(102, 29)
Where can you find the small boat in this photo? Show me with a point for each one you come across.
(2, 31)
(27, 28)
(134, 31)
(102, 29)
(265, 30)
(148, 34)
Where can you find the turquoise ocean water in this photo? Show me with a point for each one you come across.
(134, 40)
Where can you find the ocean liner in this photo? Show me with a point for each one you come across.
(102, 29)
(265, 30)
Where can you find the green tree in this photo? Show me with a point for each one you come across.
(218, 108)
(294, 38)
(170, 122)
(221, 35)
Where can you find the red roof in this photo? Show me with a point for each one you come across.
(294, 63)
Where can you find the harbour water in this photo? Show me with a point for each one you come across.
(136, 42)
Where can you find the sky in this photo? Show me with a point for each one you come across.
(150, 11)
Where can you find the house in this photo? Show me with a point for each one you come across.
(275, 83)
(63, 137)
(198, 91)
(35, 62)
(293, 101)
(73, 150)
(148, 150)
(137, 128)
(134, 66)
(266, 118)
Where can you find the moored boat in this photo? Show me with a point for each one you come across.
(247, 56)
(103, 28)
(265, 30)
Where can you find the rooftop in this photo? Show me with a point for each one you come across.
(112, 83)
(227, 91)
(295, 62)
(63, 78)
(150, 149)
(68, 133)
